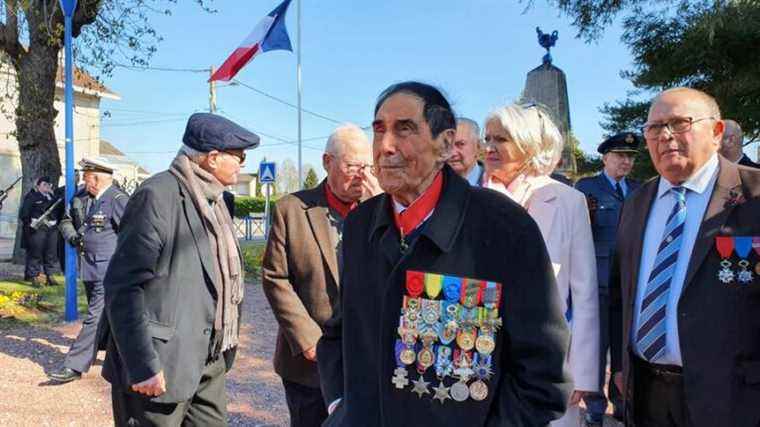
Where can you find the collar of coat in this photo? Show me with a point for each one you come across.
(444, 224)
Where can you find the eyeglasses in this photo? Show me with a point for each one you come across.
(675, 126)
(354, 168)
(240, 156)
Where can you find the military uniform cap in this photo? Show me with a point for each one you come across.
(96, 164)
(207, 132)
(623, 142)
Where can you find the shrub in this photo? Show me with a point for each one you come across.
(245, 205)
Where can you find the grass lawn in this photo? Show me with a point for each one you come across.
(22, 302)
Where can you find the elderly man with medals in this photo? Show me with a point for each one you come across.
(434, 327)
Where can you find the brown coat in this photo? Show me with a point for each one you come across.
(718, 324)
(300, 279)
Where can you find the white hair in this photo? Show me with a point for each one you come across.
(474, 127)
(535, 134)
(344, 132)
(194, 155)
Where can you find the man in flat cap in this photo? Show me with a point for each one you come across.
(606, 193)
(93, 222)
(175, 286)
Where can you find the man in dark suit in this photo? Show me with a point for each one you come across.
(92, 225)
(448, 313)
(466, 150)
(175, 285)
(302, 262)
(605, 194)
(732, 145)
(688, 276)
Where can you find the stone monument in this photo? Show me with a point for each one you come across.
(547, 85)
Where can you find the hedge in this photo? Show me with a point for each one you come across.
(245, 205)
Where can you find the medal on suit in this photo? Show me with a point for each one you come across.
(399, 378)
(485, 343)
(725, 247)
(743, 246)
(449, 322)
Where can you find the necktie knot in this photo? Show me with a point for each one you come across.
(679, 193)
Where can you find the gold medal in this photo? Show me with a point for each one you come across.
(478, 390)
(425, 358)
(407, 356)
(433, 285)
(485, 343)
(466, 339)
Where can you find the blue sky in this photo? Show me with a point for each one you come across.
(478, 52)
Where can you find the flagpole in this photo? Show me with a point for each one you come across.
(300, 89)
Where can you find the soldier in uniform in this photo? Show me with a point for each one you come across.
(92, 226)
(40, 243)
(605, 193)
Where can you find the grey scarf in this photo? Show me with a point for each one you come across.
(206, 194)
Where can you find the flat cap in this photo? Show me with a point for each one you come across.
(96, 164)
(206, 132)
(623, 142)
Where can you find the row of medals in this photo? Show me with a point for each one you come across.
(743, 246)
(427, 326)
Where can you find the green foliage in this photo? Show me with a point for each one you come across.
(245, 205)
(586, 164)
(707, 45)
(253, 254)
(22, 302)
(311, 179)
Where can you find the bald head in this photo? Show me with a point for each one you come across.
(695, 99)
(731, 145)
(684, 131)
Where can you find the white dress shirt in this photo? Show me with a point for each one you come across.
(699, 186)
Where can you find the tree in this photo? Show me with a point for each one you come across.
(287, 177)
(708, 45)
(311, 179)
(31, 38)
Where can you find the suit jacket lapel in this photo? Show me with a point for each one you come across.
(200, 237)
(607, 186)
(716, 214)
(636, 229)
(319, 222)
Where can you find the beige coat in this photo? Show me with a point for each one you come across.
(300, 279)
(562, 216)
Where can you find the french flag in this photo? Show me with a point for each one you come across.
(269, 34)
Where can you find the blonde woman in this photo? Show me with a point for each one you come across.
(523, 147)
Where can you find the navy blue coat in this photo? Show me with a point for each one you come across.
(97, 221)
(604, 219)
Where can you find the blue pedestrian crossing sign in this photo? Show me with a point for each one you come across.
(267, 172)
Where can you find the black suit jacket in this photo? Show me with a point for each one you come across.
(473, 232)
(159, 292)
(746, 161)
(718, 323)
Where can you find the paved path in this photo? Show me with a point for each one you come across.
(27, 398)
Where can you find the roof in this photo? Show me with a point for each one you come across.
(86, 83)
(115, 156)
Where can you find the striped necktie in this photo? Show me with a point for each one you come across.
(650, 337)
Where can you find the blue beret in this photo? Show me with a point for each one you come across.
(622, 142)
(207, 132)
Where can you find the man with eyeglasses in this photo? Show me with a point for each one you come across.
(605, 194)
(302, 263)
(175, 285)
(689, 276)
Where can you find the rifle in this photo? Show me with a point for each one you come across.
(4, 193)
(36, 222)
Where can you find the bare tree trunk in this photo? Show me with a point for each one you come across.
(35, 120)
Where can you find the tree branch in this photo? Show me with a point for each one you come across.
(85, 14)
